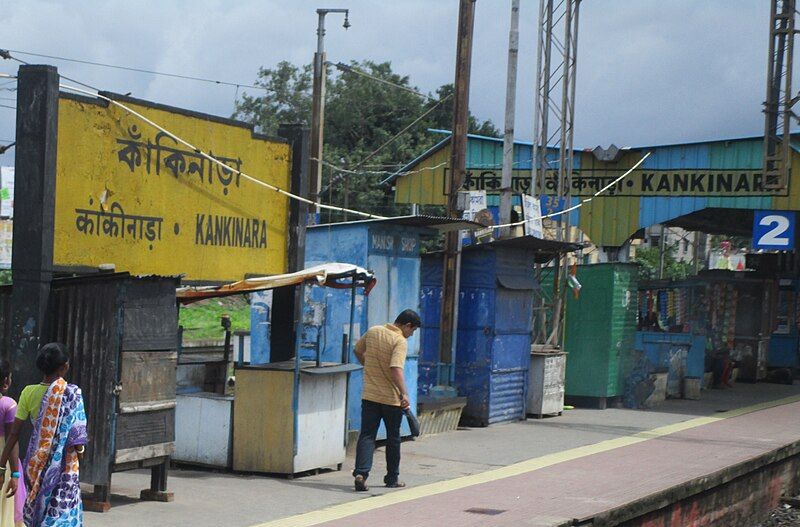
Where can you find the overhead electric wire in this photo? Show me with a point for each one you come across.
(391, 140)
(214, 160)
(4, 53)
(140, 70)
(582, 202)
(379, 172)
(96, 93)
(341, 66)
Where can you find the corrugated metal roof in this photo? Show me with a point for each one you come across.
(611, 220)
(439, 223)
(477, 156)
(435, 148)
(795, 134)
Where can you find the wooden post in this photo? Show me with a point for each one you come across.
(458, 144)
(35, 185)
(158, 484)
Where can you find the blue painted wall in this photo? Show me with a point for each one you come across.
(392, 253)
(494, 332)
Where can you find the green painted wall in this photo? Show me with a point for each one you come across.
(600, 330)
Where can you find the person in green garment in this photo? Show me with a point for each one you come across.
(55, 450)
(30, 401)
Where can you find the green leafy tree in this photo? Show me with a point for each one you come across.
(648, 259)
(442, 116)
(361, 116)
(286, 99)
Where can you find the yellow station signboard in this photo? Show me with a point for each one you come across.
(130, 195)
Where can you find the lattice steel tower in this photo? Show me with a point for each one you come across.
(779, 103)
(554, 117)
(554, 109)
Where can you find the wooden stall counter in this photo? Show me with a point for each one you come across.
(290, 418)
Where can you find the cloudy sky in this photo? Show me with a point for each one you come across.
(649, 71)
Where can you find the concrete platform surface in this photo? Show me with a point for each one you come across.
(536, 472)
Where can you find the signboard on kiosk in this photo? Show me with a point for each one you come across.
(131, 195)
(773, 230)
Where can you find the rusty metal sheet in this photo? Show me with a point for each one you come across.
(151, 314)
(147, 378)
(85, 317)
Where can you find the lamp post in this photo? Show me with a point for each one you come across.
(318, 102)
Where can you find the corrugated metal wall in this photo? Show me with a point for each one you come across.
(103, 319)
(86, 317)
(430, 303)
(494, 332)
(610, 220)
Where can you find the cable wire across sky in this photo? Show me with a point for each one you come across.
(96, 93)
(140, 70)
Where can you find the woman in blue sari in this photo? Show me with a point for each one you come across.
(52, 464)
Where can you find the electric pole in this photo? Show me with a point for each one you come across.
(458, 158)
(318, 103)
(508, 136)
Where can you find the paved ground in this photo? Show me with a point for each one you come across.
(204, 498)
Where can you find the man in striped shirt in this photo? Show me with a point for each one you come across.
(382, 350)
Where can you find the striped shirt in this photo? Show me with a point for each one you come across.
(384, 347)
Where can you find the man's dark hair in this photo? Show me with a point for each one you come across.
(409, 316)
(51, 357)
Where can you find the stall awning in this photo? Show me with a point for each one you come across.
(531, 243)
(329, 275)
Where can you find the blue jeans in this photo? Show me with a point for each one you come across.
(371, 415)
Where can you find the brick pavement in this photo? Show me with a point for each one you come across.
(579, 483)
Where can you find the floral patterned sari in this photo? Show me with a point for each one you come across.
(51, 469)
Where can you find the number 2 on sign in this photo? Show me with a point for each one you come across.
(775, 236)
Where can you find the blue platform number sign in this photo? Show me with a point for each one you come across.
(773, 230)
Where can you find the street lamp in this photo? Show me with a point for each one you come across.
(318, 102)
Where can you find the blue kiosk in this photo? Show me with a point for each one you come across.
(495, 315)
(390, 248)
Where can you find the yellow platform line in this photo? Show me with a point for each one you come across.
(358, 506)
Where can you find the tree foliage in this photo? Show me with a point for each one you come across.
(648, 259)
(361, 116)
